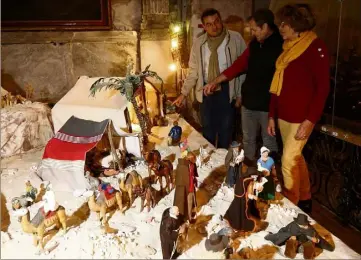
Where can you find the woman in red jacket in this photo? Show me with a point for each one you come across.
(299, 90)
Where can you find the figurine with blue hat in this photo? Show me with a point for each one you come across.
(233, 163)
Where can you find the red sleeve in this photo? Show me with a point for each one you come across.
(238, 66)
(320, 69)
(273, 106)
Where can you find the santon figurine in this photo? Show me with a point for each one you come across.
(233, 162)
(106, 197)
(267, 165)
(175, 134)
(170, 229)
(50, 214)
(184, 148)
(242, 214)
(185, 186)
(299, 236)
(30, 191)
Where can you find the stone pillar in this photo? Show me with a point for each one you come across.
(155, 44)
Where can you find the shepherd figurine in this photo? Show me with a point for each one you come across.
(233, 162)
(266, 165)
(185, 186)
(175, 134)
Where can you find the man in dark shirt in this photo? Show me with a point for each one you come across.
(258, 61)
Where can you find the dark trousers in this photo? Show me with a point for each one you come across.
(251, 121)
(237, 125)
(232, 175)
(217, 115)
(167, 249)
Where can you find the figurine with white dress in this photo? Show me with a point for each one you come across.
(50, 203)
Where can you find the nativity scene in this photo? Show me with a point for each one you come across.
(180, 130)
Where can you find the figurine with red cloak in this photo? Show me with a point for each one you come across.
(185, 186)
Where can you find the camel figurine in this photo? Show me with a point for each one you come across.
(57, 218)
(164, 169)
(50, 214)
(107, 198)
(132, 184)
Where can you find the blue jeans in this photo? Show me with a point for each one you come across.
(251, 121)
(217, 115)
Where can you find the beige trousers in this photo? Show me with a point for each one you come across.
(190, 200)
(294, 168)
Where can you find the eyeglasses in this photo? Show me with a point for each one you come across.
(283, 24)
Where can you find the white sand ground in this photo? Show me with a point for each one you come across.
(138, 235)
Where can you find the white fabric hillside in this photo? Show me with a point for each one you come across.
(24, 127)
(138, 233)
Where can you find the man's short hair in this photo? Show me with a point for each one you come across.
(264, 16)
(209, 12)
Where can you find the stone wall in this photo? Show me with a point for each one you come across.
(241, 8)
(51, 62)
(126, 15)
(155, 45)
(234, 8)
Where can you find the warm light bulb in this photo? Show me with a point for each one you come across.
(176, 29)
(174, 43)
(173, 67)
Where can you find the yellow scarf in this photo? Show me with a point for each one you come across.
(291, 51)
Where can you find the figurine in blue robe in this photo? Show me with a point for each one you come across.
(175, 134)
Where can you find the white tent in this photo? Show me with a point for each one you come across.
(107, 104)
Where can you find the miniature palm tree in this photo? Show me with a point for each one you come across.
(130, 87)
